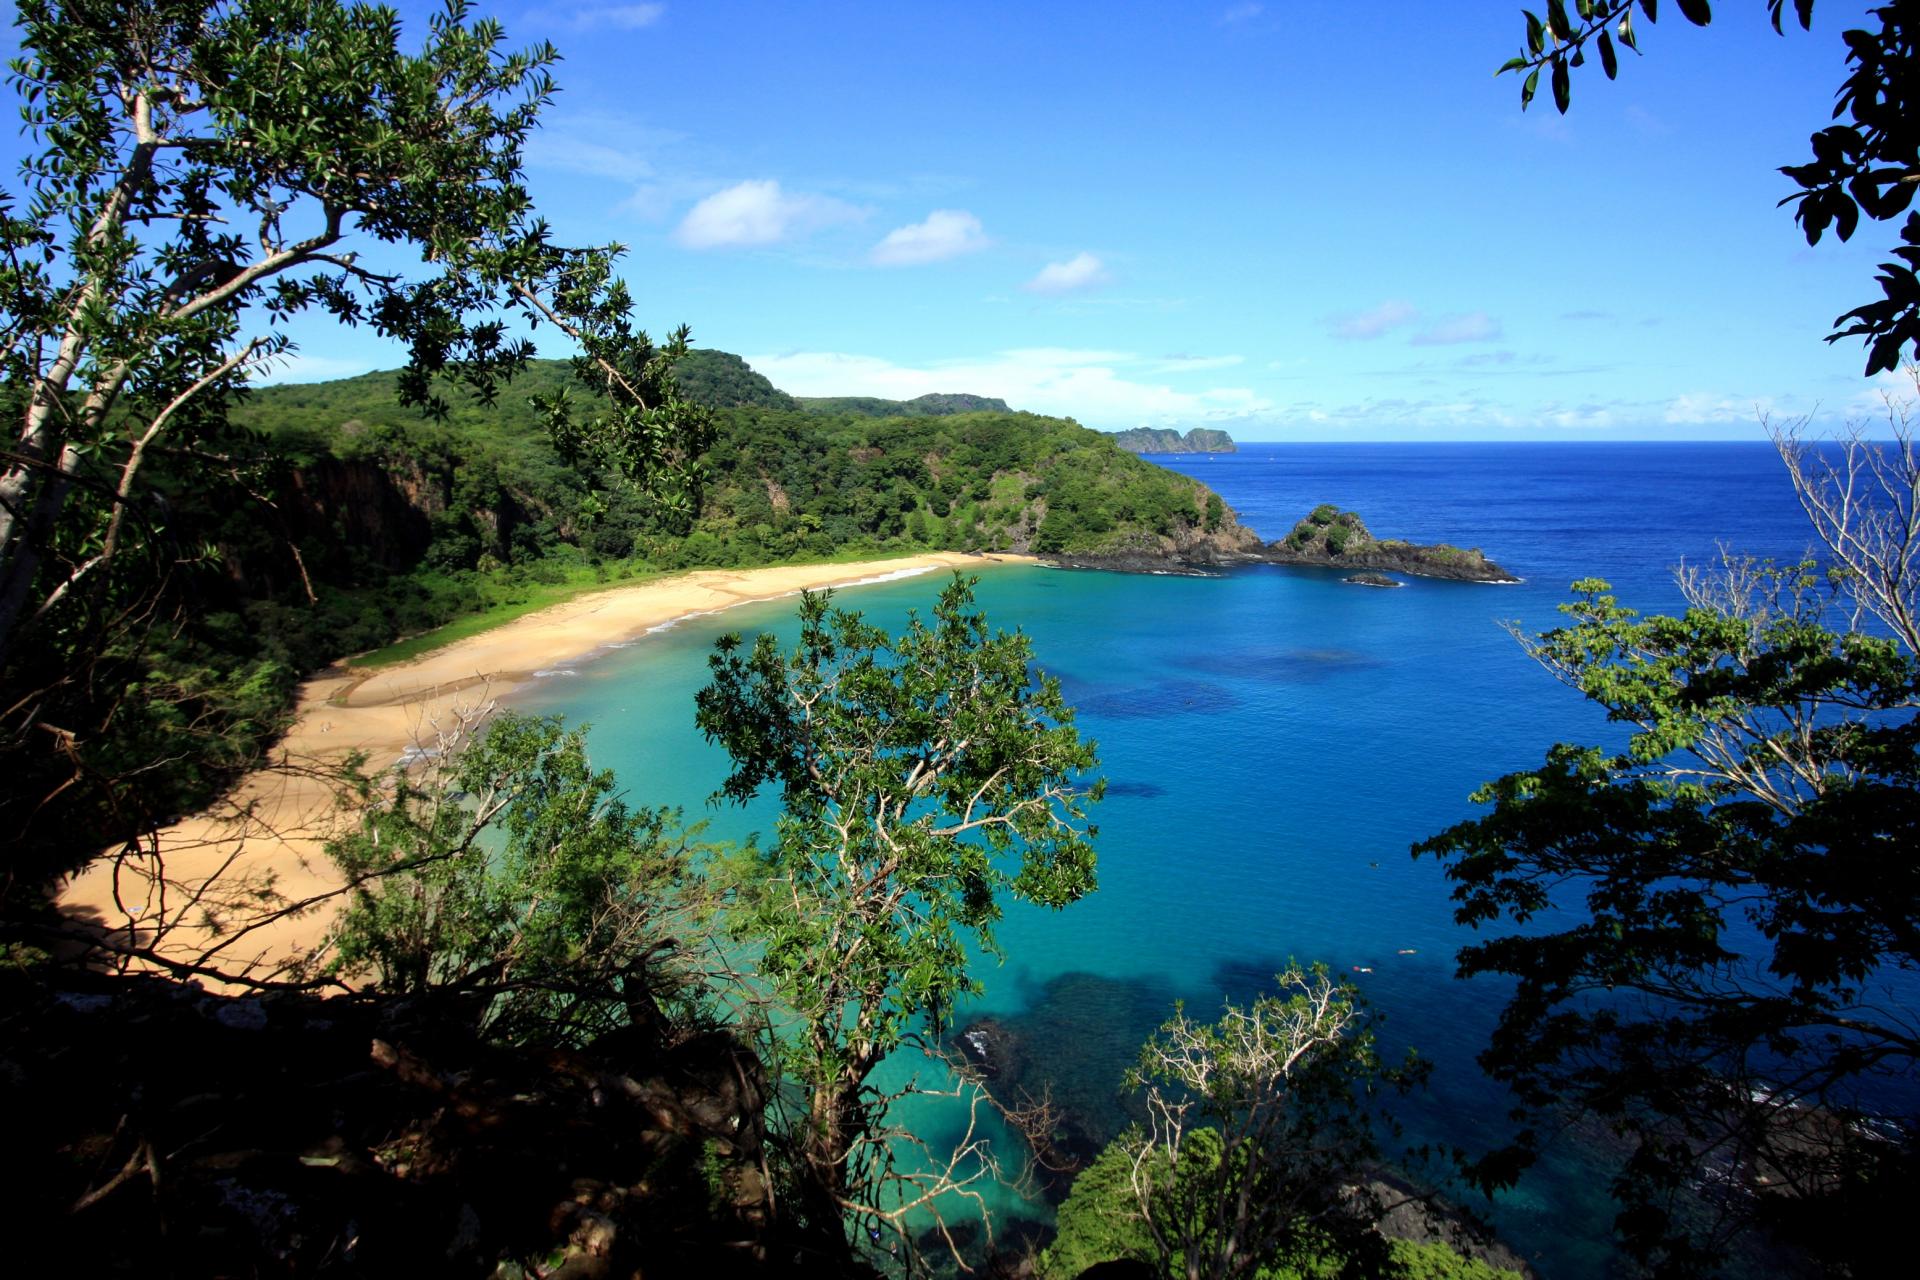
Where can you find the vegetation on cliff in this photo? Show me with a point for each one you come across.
(1337, 539)
(780, 482)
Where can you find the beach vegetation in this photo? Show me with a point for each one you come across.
(500, 872)
(927, 779)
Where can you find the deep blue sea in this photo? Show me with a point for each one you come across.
(1276, 739)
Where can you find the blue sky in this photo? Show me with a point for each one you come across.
(1298, 220)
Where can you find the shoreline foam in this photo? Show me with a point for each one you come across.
(219, 879)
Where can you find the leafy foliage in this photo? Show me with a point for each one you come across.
(205, 172)
(1869, 164)
(1100, 1222)
(1259, 1130)
(926, 779)
(1738, 890)
(504, 871)
(1257, 1154)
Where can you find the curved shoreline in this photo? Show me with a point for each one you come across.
(220, 879)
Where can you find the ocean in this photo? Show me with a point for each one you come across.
(1275, 740)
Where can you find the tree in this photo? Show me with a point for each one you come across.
(207, 170)
(1869, 164)
(503, 871)
(1258, 1132)
(1740, 889)
(926, 779)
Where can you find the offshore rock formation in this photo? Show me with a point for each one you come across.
(1327, 539)
(1167, 440)
(1334, 539)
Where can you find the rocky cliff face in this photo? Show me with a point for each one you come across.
(1167, 440)
(390, 510)
(385, 511)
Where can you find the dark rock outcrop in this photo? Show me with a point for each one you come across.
(1330, 538)
(1371, 579)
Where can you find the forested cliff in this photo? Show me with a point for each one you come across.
(483, 490)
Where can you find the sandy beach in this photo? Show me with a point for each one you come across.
(214, 890)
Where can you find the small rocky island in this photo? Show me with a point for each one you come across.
(1167, 440)
(1334, 539)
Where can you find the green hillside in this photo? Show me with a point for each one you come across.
(725, 381)
(408, 523)
(933, 405)
(784, 481)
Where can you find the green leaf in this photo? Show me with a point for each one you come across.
(1626, 32)
(1649, 7)
(1557, 20)
(1536, 34)
(1698, 12)
(1527, 90)
(1609, 60)
(1562, 85)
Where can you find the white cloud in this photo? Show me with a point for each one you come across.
(573, 154)
(1195, 364)
(757, 213)
(1239, 13)
(1106, 389)
(618, 17)
(623, 17)
(947, 233)
(1476, 326)
(605, 144)
(1082, 271)
(1364, 325)
(1695, 408)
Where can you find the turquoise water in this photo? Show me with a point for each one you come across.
(1276, 739)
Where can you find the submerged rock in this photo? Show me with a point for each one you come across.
(1371, 580)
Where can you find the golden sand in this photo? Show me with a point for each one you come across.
(215, 891)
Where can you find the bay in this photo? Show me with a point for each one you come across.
(1276, 739)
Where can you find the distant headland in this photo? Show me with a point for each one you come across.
(1167, 440)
